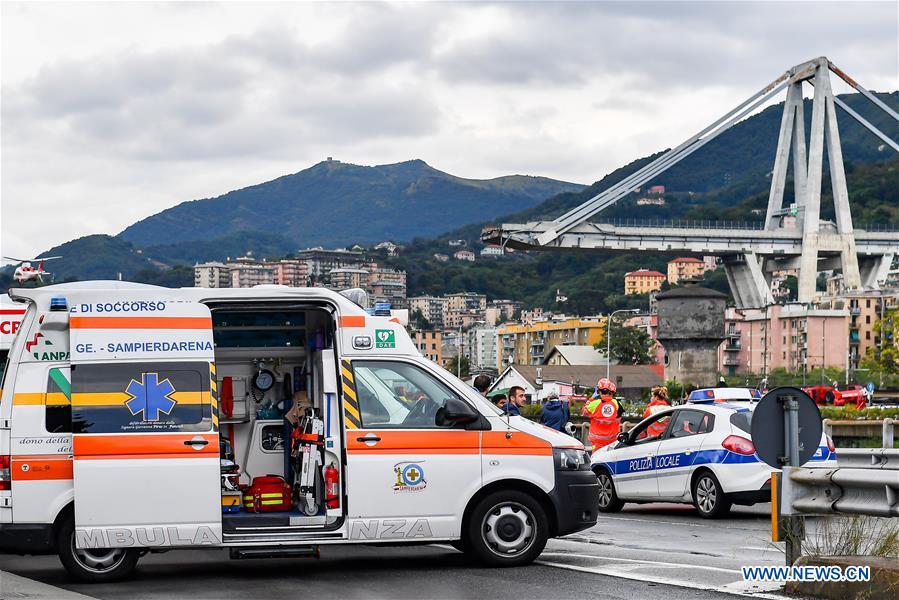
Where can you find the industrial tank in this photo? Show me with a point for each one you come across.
(691, 328)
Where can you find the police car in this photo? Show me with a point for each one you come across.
(703, 454)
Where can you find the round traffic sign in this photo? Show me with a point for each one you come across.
(767, 426)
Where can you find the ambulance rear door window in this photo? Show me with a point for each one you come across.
(58, 401)
(141, 397)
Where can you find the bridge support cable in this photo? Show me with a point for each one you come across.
(611, 195)
(793, 237)
(865, 123)
(857, 86)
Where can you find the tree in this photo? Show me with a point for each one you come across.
(882, 361)
(418, 321)
(630, 345)
(453, 367)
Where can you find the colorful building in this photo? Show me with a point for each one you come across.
(643, 281)
(685, 268)
(530, 343)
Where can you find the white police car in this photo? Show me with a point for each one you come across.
(703, 454)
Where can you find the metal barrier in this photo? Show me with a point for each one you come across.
(887, 429)
(868, 458)
(873, 492)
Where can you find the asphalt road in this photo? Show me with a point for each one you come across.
(650, 551)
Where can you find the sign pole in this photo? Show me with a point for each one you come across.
(794, 525)
(786, 430)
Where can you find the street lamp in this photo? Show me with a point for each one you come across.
(609, 336)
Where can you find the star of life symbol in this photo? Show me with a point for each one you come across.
(150, 396)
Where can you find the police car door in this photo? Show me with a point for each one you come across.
(144, 421)
(678, 450)
(634, 464)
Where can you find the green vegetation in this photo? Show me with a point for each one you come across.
(850, 413)
(882, 362)
(337, 204)
(629, 345)
(464, 370)
(854, 535)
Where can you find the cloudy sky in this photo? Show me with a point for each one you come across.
(113, 112)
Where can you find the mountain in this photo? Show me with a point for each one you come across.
(338, 204)
(728, 179)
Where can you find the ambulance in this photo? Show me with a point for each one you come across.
(10, 319)
(138, 419)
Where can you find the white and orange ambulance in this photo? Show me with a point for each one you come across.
(120, 401)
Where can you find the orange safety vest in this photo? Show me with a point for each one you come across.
(656, 429)
(604, 421)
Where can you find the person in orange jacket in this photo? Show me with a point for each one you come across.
(605, 415)
(658, 401)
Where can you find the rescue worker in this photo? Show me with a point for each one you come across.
(605, 415)
(658, 401)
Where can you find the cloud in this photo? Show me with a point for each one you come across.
(111, 113)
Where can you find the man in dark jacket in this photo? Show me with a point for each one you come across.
(555, 412)
(515, 402)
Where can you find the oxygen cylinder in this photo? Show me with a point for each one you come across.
(332, 486)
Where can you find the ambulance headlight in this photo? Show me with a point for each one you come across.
(571, 459)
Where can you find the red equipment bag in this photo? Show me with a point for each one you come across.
(267, 494)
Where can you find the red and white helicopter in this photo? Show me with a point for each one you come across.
(25, 272)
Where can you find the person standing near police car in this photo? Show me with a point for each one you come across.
(658, 401)
(605, 414)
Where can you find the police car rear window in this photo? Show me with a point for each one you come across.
(742, 420)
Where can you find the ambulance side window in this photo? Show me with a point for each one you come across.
(399, 395)
(57, 400)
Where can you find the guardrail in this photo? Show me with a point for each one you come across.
(873, 492)
(868, 458)
(886, 427)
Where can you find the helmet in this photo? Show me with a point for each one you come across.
(606, 384)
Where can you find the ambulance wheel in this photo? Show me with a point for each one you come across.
(708, 497)
(507, 529)
(93, 566)
(609, 502)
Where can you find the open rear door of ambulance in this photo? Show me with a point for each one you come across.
(144, 422)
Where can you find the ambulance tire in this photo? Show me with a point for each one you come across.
(507, 529)
(101, 566)
(609, 502)
(708, 497)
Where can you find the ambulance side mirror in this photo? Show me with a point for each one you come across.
(458, 411)
(623, 438)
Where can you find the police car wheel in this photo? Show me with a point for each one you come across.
(708, 497)
(608, 497)
(507, 529)
(93, 566)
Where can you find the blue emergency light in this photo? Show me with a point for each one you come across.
(58, 303)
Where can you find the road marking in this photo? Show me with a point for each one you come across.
(647, 562)
(661, 580)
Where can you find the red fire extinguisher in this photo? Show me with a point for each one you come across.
(332, 486)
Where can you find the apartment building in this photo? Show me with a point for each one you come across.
(429, 342)
(246, 272)
(530, 343)
(685, 268)
(291, 272)
(432, 308)
(212, 275)
(643, 281)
